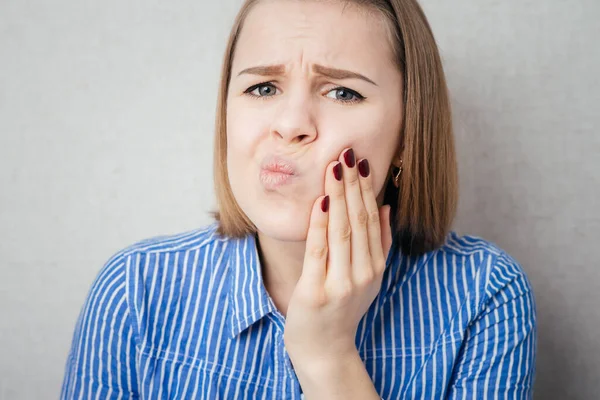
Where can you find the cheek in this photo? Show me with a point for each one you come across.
(371, 129)
(243, 132)
(380, 150)
(372, 135)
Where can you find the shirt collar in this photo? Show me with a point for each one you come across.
(249, 301)
(248, 298)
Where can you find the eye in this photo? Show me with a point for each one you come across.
(345, 95)
(265, 89)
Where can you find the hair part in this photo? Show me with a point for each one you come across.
(424, 205)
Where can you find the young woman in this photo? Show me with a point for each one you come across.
(331, 271)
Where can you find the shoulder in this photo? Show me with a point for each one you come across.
(474, 271)
(478, 254)
(161, 245)
(164, 257)
(487, 257)
(123, 277)
(468, 245)
(466, 266)
(491, 271)
(182, 241)
(159, 254)
(151, 271)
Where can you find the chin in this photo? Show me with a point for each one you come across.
(287, 225)
(280, 216)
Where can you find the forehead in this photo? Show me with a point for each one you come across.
(329, 32)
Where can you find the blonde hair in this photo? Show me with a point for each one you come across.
(424, 204)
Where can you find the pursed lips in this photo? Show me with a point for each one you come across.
(276, 171)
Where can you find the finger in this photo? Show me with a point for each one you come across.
(338, 232)
(378, 257)
(357, 215)
(315, 257)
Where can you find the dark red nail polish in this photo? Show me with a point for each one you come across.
(349, 158)
(337, 171)
(325, 204)
(363, 168)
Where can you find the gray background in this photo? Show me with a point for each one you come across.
(106, 121)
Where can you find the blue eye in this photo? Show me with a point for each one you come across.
(270, 90)
(346, 95)
(341, 94)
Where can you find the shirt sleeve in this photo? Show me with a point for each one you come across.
(497, 359)
(101, 361)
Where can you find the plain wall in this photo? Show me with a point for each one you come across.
(106, 132)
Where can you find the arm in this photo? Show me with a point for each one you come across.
(498, 355)
(102, 356)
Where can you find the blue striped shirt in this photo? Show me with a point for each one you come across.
(187, 317)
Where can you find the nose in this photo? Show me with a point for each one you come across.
(295, 119)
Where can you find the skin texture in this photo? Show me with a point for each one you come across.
(298, 117)
(322, 269)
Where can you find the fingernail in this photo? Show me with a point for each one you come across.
(363, 168)
(337, 171)
(325, 204)
(349, 158)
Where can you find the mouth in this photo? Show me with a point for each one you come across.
(276, 172)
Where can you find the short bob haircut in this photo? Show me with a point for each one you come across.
(423, 207)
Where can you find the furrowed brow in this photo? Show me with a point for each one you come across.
(334, 73)
(340, 73)
(264, 70)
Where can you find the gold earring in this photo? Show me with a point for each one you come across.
(397, 177)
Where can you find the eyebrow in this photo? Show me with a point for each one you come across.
(270, 70)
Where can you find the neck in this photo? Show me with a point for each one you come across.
(281, 264)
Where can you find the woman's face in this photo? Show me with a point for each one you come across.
(309, 79)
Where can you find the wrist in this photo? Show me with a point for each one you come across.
(342, 377)
(307, 357)
(325, 367)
